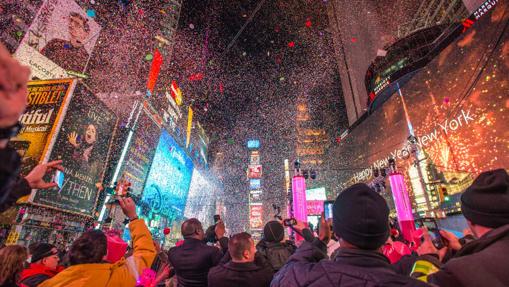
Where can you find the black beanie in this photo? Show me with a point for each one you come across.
(486, 201)
(361, 217)
(41, 251)
(273, 231)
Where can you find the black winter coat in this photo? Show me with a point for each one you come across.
(351, 267)
(234, 274)
(192, 262)
(12, 186)
(483, 262)
(276, 253)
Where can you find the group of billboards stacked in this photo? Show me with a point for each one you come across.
(254, 174)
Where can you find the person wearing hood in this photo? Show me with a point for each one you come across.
(272, 247)
(44, 265)
(480, 262)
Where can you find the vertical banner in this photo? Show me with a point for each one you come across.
(299, 198)
(60, 39)
(402, 204)
(82, 144)
(141, 152)
(155, 68)
(256, 215)
(189, 126)
(46, 103)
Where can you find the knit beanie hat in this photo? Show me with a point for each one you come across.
(486, 201)
(41, 251)
(273, 231)
(361, 217)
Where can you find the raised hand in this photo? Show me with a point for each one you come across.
(36, 175)
(73, 139)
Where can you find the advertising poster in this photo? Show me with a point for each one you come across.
(458, 108)
(60, 39)
(255, 183)
(254, 171)
(256, 216)
(254, 157)
(83, 144)
(46, 102)
(255, 196)
(141, 152)
(169, 178)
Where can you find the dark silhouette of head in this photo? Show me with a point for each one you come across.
(192, 228)
(91, 247)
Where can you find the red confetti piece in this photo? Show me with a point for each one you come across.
(354, 39)
(308, 23)
(291, 44)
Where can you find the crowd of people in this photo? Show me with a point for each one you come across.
(346, 251)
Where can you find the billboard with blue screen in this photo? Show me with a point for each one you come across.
(168, 181)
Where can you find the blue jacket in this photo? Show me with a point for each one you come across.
(351, 267)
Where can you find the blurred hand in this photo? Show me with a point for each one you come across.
(427, 246)
(220, 229)
(300, 226)
(324, 233)
(73, 139)
(128, 207)
(13, 88)
(451, 240)
(36, 175)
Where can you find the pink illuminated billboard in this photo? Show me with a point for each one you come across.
(299, 198)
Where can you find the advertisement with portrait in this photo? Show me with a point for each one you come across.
(83, 144)
(46, 103)
(168, 181)
(61, 38)
(254, 171)
(256, 216)
(457, 108)
(141, 151)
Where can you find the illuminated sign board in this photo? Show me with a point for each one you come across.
(176, 93)
(256, 216)
(254, 171)
(189, 126)
(316, 194)
(253, 144)
(255, 183)
(254, 158)
(155, 68)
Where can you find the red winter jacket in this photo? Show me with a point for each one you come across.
(36, 274)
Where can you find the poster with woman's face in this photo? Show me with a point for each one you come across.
(82, 143)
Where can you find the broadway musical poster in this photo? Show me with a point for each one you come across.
(83, 144)
(46, 102)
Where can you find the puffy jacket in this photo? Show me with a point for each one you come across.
(351, 267)
(483, 262)
(35, 274)
(240, 274)
(121, 273)
(192, 261)
(276, 253)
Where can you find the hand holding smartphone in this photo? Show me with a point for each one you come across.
(58, 178)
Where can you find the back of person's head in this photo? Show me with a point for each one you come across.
(12, 259)
(41, 251)
(361, 217)
(90, 247)
(273, 231)
(192, 228)
(241, 247)
(486, 201)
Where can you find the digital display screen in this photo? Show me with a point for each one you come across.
(255, 183)
(253, 144)
(201, 199)
(457, 108)
(169, 178)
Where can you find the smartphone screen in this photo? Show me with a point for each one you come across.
(433, 230)
(217, 217)
(59, 179)
(327, 208)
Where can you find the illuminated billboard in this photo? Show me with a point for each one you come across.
(169, 178)
(254, 157)
(316, 194)
(60, 39)
(254, 171)
(256, 216)
(255, 183)
(457, 109)
(253, 144)
(201, 199)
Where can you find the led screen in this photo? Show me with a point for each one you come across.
(201, 200)
(254, 183)
(253, 144)
(168, 181)
(457, 108)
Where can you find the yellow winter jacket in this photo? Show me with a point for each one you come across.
(122, 273)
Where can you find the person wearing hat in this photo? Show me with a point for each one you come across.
(273, 248)
(484, 261)
(361, 221)
(43, 265)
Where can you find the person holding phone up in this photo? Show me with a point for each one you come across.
(481, 262)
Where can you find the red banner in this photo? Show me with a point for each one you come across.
(154, 71)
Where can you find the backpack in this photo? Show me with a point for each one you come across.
(276, 254)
